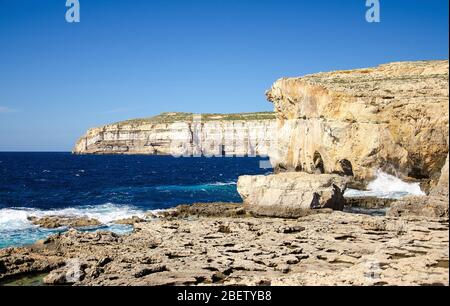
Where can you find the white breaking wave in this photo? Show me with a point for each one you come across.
(223, 184)
(17, 218)
(14, 219)
(387, 186)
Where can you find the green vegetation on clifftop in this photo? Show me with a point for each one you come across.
(189, 117)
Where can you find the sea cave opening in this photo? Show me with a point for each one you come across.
(346, 167)
(318, 165)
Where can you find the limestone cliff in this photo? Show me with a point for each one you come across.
(183, 134)
(393, 117)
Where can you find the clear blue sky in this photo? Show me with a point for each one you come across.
(128, 59)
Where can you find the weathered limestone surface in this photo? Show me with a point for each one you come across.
(183, 133)
(426, 206)
(345, 124)
(392, 117)
(323, 249)
(290, 194)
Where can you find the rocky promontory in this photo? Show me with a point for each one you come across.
(351, 124)
(188, 134)
(393, 117)
(332, 130)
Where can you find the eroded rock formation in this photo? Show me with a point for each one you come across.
(435, 205)
(290, 194)
(392, 117)
(51, 222)
(442, 188)
(426, 206)
(321, 249)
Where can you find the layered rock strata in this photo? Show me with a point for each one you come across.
(184, 134)
(392, 117)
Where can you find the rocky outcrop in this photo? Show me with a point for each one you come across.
(290, 194)
(426, 206)
(220, 209)
(393, 117)
(322, 249)
(368, 202)
(344, 124)
(184, 134)
(130, 221)
(51, 222)
(435, 205)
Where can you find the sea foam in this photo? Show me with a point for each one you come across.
(388, 187)
(16, 229)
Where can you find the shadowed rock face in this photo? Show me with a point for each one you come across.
(393, 117)
(441, 189)
(433, 206)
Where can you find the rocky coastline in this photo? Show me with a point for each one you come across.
(332, 131)
(222, 244)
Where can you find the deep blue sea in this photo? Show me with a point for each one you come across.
(107, 187)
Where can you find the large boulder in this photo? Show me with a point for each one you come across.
(291, 194)
(393, 117)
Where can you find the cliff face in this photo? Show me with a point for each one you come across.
(393, 117)
(184, 134)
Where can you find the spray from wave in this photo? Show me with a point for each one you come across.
(18, 217)
(387, 186)
(16, 228)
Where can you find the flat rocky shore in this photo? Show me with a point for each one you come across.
(221, 244)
